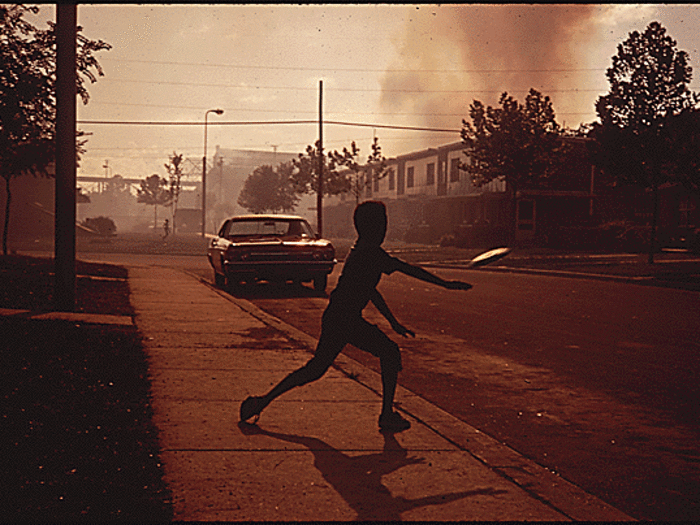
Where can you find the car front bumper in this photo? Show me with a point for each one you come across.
(279, 270)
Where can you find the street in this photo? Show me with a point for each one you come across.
(595, 380)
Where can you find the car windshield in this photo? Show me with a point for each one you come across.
(269, 228)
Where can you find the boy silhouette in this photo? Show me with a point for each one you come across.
(343, 322)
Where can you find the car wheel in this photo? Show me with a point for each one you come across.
(320, 283)
(219, 280)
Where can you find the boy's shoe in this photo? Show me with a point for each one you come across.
(252, 407)
(393, 422)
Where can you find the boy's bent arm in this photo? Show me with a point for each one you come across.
(383, 308)
(381, 305)
(424, 275)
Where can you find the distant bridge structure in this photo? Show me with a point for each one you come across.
(102, 181)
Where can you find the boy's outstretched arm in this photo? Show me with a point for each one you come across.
(424, 275)
(383, 308)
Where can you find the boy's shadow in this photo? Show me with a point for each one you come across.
(358, 479)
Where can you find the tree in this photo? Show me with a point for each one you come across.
(305, 179)
(102, 225)
(648, 88)
(519, 143)
(27, 95)
(362, 176)
(350, 159)
(175, 171)
(269, 190)
(154, 192)
(116, 185)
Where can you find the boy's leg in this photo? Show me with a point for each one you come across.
(329, 346)
(326, 352)
(370, 338)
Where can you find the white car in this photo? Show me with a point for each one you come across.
(277, 248)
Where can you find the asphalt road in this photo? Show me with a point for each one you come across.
(595, 380)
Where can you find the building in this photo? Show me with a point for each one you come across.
(430, 200)
(427, 197)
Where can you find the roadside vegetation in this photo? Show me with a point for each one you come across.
(77, 435)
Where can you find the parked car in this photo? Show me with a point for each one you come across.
(276, 248)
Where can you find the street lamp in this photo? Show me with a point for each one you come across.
(204, 169)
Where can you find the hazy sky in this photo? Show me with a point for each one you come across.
(415, 65)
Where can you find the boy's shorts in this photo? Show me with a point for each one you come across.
(339, 330)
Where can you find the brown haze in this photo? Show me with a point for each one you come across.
(470, 41)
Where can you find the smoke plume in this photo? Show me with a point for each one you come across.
(459, 53)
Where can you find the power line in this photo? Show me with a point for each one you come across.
(265, 123)
(360, 70)
(387, 126)
(358, 90)
(216, 123)
(347, 90)
(294, 112)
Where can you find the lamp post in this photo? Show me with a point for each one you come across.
(204, 170)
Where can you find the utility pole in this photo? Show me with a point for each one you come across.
(319, 196)
(220, 164)
(66, 92)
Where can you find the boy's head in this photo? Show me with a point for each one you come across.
(370, 221)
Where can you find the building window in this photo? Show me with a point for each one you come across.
(454, 170)
(375, 176)
(392, 180)
(409, 177)
(430, 175)
(686, 210)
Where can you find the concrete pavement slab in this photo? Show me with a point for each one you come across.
(228, 356)
(316, 453)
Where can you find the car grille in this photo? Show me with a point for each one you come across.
(279, 256)
(270, 256)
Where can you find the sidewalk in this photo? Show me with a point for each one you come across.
(316, 453)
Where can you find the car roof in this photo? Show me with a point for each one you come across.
(267, 216)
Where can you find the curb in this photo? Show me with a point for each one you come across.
(642, 280)
(539, 482)
(551, 273)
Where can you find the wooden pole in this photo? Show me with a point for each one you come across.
(66, 92)
(319, 195)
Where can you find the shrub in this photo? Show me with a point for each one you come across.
(102, 225)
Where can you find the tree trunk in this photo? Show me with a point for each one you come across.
(654, 221)
(6, 226)
(155, 218)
